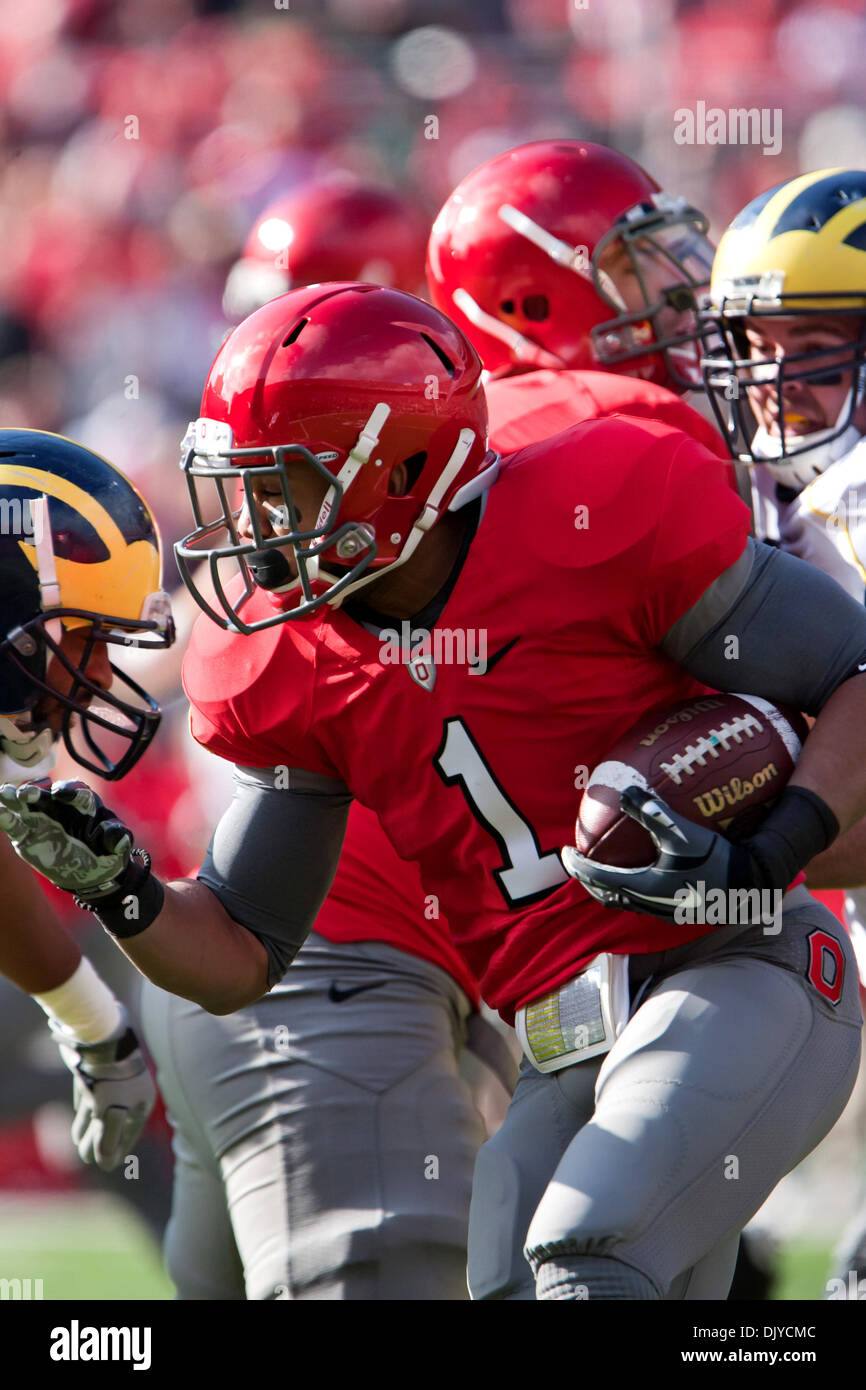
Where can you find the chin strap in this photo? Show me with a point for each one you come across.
(25, 754)
(49, 584)
(430, 514)
(798, 470)
(358, 455)
(815, 451)
(28, 753)
(571, 257)
(522, 348)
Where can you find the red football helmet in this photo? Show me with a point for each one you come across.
(349, 381)
(323, 231)
(566, 254)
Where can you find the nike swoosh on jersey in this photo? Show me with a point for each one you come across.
(337, 995)
(497, 656)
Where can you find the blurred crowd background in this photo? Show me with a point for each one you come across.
(139, 139)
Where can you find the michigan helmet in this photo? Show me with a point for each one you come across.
(351, 381)
(563, 253)
(796, 252)
(79, 549)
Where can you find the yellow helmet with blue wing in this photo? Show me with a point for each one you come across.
(795, 254)
(79, 549)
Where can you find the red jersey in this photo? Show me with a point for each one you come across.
(375, 895)
(591, 546)
(535, 405)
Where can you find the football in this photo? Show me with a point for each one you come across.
(719, 759)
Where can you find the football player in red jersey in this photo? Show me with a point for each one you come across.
(354, 419)
(350, 1219)
(376, 930)
(566, 254)
(576, 278)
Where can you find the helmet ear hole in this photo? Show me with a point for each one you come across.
(440, 353)
(507, 306)
(536, 307)
(295, 333)
(414, 466)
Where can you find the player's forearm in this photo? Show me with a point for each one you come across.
(834, 755)
(810, 662)
(36, 957)
(195, 949)
(36, 954)
(179, 935)
(843, 865)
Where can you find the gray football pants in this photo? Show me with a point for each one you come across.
(631, 1176)
(324, 1142)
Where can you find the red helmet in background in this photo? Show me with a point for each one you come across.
(349, 380)
(326, 231)
(567, 254)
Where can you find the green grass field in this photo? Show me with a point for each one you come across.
(803, 1270)
(82, 1247)
(93, 1247)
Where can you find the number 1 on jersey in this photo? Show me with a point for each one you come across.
(526, 874)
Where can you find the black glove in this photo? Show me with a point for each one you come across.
(693, 860)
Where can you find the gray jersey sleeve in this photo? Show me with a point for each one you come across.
(772, 625)
(274, 854)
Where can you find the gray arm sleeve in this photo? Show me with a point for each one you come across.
(274, 854)
(774, 626)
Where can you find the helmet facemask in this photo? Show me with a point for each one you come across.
(79, 566)
(338, 423)
(668, 256)
(262, 562)
(733, 376)
(132, 717)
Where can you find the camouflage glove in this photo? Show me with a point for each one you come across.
(63, 831)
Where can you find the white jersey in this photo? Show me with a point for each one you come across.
(825, 524)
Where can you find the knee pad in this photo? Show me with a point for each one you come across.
(192, 1283)
(591, 1277)
(496, 1266)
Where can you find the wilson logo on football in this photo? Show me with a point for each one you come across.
(712, 803)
